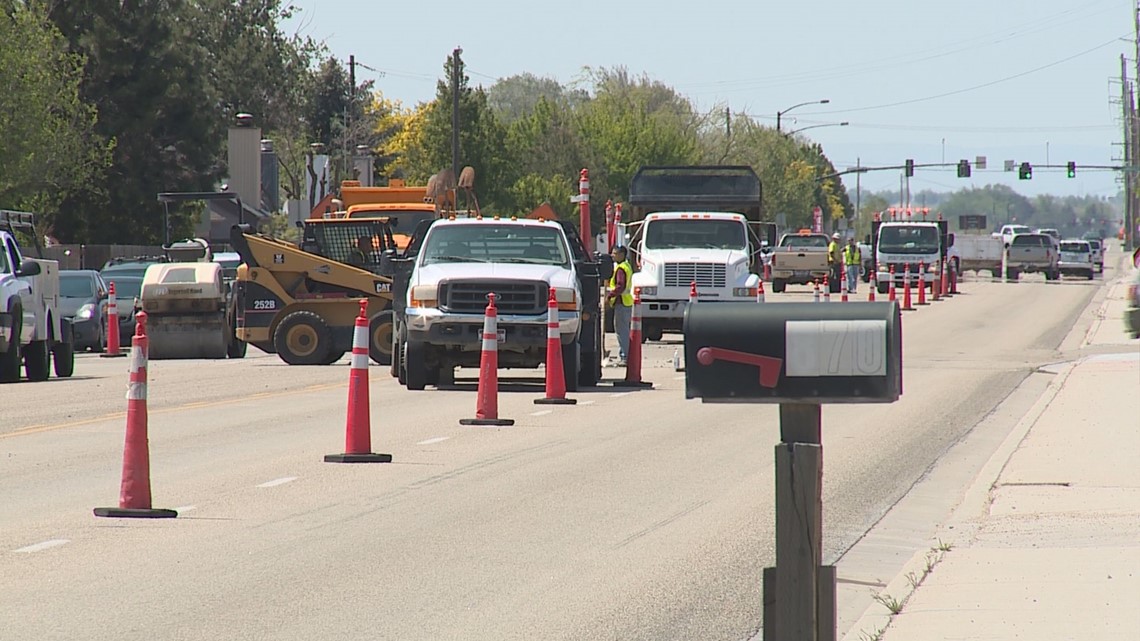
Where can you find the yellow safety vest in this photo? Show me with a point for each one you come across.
(832, 254)
(852, 255)
(627, 295)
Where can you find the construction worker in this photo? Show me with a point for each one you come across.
(620, 297)
(359, 255)
(852, 262)
(835, 258)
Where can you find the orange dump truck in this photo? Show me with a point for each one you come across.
(404, 207)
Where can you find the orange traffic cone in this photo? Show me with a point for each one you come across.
(906, 306)
(555, 374)
(357, 430)
(874, 282)
(891, 294)
(633, 363)
(487, 402)
(843, 291)
(760, 292)
(815, 293)
(826, 290)
(946, 279)
(113, 348)
(922, 284)
(134, 489)
(693, 299)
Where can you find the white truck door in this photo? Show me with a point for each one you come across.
(24, 290)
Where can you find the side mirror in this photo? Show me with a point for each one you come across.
(605, 265)
(867, 239)
(949, 240)
(28, 268)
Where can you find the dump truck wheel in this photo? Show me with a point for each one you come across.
(380, 330)
(37, 361)
(303, 338)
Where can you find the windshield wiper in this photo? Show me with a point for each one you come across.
(454, 259)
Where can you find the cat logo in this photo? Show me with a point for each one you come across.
(382, 287)
(278, 259)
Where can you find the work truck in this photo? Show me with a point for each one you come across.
(693, 225)
(441, 288)
(1032, 253)
(914, 249)
(33, 331)
(801, 259)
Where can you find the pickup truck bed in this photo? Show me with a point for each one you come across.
(1032, 253)
(800, 259)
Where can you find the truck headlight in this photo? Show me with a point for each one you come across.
(425, 296)
(648, 291)
(85, 312)
(743, 291)
(567, 299)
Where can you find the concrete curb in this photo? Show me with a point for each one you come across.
(964, 519)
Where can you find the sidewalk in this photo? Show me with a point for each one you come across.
(1054, 553)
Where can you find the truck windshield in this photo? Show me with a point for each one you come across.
(691, 233)
(908, 240)
(1075, 247)
(495, 243)
(1031, 240)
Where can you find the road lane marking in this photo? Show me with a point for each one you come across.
(620, 394)
(280, 481)
(185, 508)
(43, 546)
(542, 412)
(34, 429)
(431, 441)
(585, 402)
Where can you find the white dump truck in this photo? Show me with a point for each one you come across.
(698, 224)
(912, 248)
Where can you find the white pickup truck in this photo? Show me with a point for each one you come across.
(32, 328)
(458, 261)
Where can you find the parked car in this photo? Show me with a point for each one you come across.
(127, 292)
(83, 301)
(1097, 248)
(1132, 314)
(1077, 259)
(134, 267)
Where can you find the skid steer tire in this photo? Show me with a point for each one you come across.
(380, 331)
(303, 338)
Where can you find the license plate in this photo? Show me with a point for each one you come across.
(501, 335)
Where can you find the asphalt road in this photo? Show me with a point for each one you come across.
(633, 515)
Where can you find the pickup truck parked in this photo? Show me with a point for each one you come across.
(1032, 253)
(1096, 246)
(32, 326)
(800, 259)
(441, 286)
(1009, 231)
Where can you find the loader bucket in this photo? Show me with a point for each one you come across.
(187, 336)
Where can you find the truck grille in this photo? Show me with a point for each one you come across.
(705, 274)
(511, 297)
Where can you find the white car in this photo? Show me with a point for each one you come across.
(459, 263)
(1097, 247)
(1077, 259)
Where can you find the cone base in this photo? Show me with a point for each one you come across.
(358, 458)
(119, 355)
(135, 513)
(486, 421)
(640, 384)
(555, 401)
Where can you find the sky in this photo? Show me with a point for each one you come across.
(1023, 80)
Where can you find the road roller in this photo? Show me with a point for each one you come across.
(186, 311)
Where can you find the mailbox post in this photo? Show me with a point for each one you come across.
(798, 355)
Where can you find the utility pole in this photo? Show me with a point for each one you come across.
(456, 75)
(349, 134)
(858, 188)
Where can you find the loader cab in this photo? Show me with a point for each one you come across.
(366, 243)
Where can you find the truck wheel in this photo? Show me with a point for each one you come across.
(333, 357)
(570, 364)
(1011, 273)
(10, 360)
(415, 365)
(380, 330)
(303, 338)
(394, 366)
(654, 332)
(779, 285)
(884, 288)
(63, 353)
(37, 361)
(1090, 274)
(834, 285)
(588, 370)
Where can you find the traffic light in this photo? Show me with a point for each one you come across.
(909, 167)
(1025, 171)
(1071, 170)
(963, 168)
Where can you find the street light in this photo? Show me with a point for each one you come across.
(779, 114)
(828, 124)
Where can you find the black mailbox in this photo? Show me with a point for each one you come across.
(793, 352)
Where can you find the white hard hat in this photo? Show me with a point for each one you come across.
(835, 235)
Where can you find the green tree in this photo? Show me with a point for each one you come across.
(516, 97)
(47, 147)
(148, 74)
